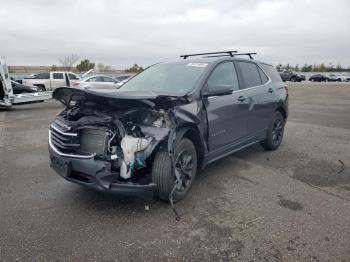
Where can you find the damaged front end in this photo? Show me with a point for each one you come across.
(107, 141)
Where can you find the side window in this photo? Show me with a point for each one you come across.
(264, 78)
(42, 76)
(57, 76)
(250, 74)
(223, 75)
(107, 79)
(72, 76)
(94, 79)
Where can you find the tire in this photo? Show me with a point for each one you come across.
(163, 173)
(293, 79)
(41, 88)
(275, 132)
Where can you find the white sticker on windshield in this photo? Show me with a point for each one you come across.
(197, 64)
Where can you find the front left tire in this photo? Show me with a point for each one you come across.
(185, 166)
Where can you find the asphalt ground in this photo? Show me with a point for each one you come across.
(288, 205)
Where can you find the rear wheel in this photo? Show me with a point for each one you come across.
(275, 132)
(164, 175)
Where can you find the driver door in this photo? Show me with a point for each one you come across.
(227, 114)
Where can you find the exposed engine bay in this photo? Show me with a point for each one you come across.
(125, 138)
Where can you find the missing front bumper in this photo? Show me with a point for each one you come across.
(94, 174)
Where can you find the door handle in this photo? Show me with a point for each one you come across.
(270, 90)
(241, 98)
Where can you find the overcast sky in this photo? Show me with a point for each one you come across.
(120, 33)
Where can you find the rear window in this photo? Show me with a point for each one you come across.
(57, 76)
(250, 74)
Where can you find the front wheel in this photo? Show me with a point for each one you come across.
(275, 132)
(185, 167)
(41, 88)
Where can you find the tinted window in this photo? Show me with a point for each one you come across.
(223, 74)
(250, 74)
(42, 76)
(264, 78)
(271, 71)
(57, 76)
(72, 76)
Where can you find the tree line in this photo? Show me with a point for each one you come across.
(314, 68)
(84, 65)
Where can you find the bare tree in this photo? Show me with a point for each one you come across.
(69, 61)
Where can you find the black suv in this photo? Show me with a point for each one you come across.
(292, 76)
(152, 134)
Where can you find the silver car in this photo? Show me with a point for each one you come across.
(98, 82)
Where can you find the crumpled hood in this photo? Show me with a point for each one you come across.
(132, 98)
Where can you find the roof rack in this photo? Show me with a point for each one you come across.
(230, 53)
(248, 54)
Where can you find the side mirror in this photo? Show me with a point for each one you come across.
(218, 90)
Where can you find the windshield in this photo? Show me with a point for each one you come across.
(173, 77)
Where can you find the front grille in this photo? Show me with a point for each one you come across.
(84, 142)
(65, 142)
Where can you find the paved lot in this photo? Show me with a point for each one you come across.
(288, 205)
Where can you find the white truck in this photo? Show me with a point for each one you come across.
(50, 81)
(7, 98)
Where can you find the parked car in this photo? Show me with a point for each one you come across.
(319, 78)
(337, 78)
(152, 134)
(291, 76)
(98, 82)
(50, 81)
(20, 88)
(123, 77)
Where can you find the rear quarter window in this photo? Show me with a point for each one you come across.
(272, 72)
(263, 76)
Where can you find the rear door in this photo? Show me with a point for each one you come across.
(259, 90)
(226, 113)
(58, 80)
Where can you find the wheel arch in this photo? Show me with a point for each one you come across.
(191, 132)
(282, 111)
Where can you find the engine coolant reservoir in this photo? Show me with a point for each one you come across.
(130, 145)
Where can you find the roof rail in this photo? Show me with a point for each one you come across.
(230, 53)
